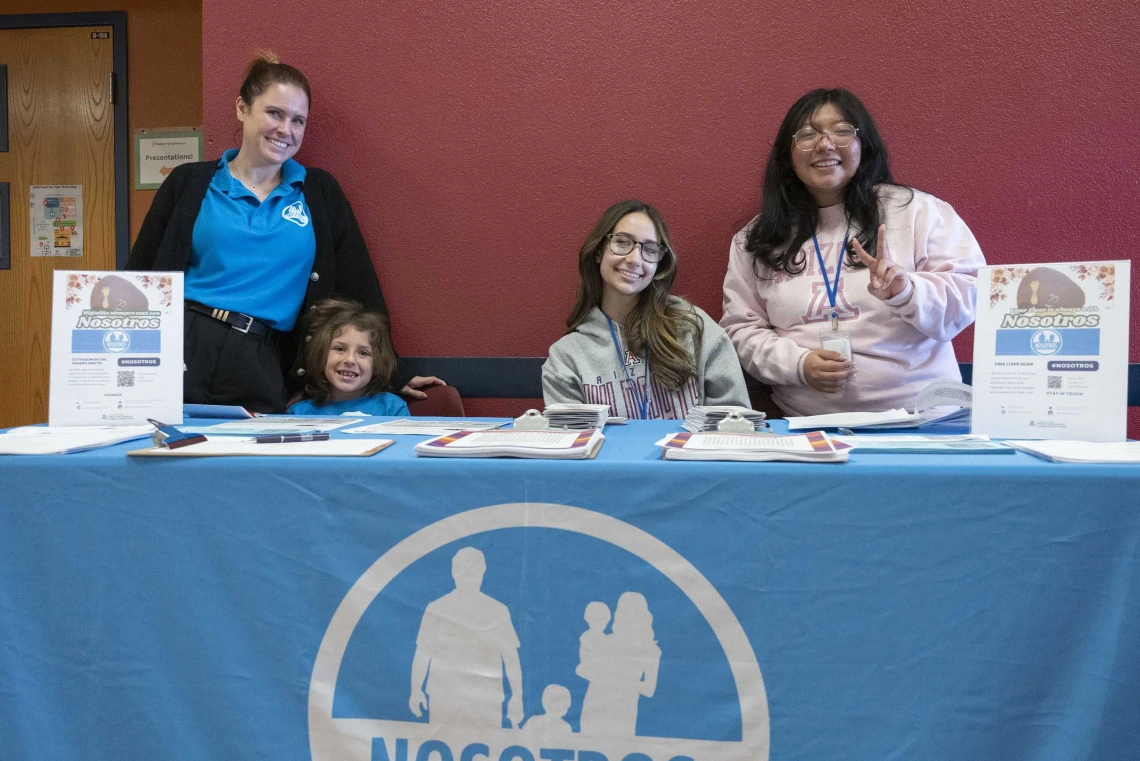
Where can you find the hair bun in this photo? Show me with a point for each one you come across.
(264, 55)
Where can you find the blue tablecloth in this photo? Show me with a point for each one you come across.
(933, 607)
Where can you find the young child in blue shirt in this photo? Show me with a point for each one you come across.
(349, 360)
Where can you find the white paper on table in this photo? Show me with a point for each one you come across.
(1059, 450)
(247, 447)
(906, 438)
(1051, 351)
(39, 439)
(743, 442)
(424, 427)
(851, 419)
(264, 425)
(529, 439)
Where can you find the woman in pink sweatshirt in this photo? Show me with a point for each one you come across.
(845, 291)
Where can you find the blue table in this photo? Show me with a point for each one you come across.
(933, 607)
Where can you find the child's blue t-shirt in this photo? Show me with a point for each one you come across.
(380, 404)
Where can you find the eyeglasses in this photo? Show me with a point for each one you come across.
(621, 244)
(841, 136)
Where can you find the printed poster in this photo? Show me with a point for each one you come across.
(116, 348)
(1051, 351)
(57, 220)
(158, 153)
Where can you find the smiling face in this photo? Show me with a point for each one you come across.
(349, 364)
(624, 277)
(826, 170)
(273, 126)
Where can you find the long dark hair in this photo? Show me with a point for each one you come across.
(656, 322)
(788, 213)
(323, 322)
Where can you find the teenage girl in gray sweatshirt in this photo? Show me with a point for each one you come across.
(631, 344)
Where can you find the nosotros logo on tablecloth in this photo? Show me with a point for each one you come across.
(530, 632)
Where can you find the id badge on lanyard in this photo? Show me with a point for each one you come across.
(832, 338)
(641, 396)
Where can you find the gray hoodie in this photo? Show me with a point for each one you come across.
(583, 366)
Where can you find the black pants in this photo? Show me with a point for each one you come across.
(226, 366)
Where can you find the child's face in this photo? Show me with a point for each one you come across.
(349, 364)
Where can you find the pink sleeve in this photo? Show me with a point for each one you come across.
(939, 299)
(763, 353)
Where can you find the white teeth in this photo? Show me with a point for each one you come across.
(825, 164)
(278, 143)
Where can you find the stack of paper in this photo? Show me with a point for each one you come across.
(751, 447)
(62, 439)
(577, 416)
(1081, 451)
(706, 417)
(869, 421)
(914, 444)
(545, 445)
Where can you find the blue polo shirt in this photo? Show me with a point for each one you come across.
(253, 256)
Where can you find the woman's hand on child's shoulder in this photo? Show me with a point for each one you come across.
(411, 388)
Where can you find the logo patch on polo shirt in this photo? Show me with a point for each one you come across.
(295, 212)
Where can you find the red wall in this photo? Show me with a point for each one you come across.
(479, 142)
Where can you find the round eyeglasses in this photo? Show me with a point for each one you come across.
(841, 136)
(621, 244)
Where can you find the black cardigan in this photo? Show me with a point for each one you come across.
(341, 266)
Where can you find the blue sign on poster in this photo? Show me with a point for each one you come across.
(464, 642)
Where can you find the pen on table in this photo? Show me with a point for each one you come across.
(291, 438)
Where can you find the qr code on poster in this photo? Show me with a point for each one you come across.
(127, 379)
(1053, 381)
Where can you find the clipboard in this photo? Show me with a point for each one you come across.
(231, 447)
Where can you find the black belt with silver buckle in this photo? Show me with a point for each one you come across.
(236, 320)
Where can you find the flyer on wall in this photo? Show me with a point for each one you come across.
(57, 220)
(1051, 351)
(116, 348)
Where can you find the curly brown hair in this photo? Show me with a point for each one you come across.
(322, 323)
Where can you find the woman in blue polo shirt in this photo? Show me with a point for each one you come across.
(260, 238)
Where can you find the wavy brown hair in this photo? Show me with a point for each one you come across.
(656, 323)
(323, 322)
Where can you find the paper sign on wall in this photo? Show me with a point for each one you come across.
(1051, 351)
(158, 153)
(57, 220)
(116, 348)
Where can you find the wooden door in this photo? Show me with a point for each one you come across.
(60, 132)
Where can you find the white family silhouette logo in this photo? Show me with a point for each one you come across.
(467, 643)
(467, 640)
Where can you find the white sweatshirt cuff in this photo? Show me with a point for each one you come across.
(902, 298)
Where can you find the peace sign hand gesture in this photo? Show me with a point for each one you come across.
(887, 278)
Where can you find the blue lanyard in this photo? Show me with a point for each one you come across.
(832, 288)
(642, 399)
